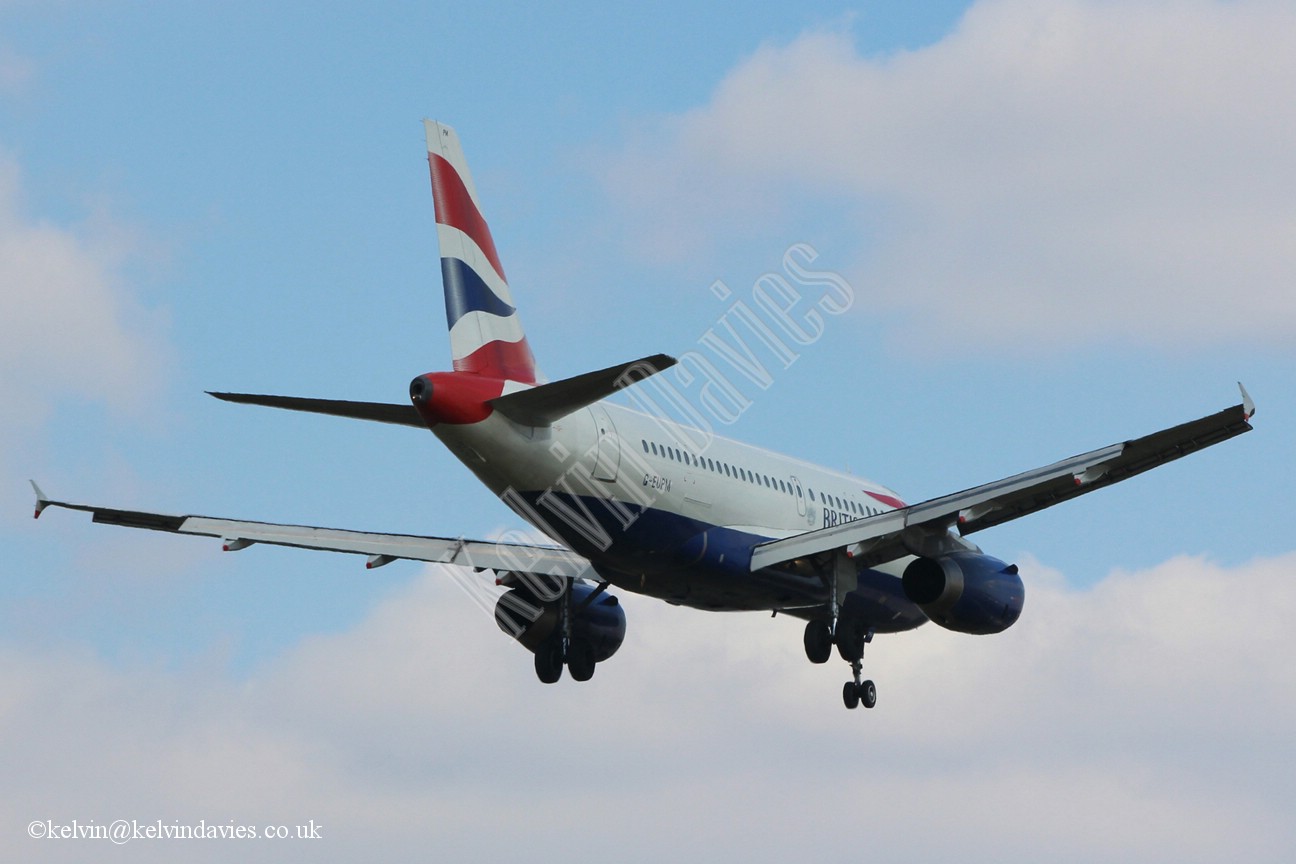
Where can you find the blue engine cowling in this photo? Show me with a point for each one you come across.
(532, 621)
(966, 591)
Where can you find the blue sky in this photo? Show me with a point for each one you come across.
(1065, 223)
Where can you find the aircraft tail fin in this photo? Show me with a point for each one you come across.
(486, 335)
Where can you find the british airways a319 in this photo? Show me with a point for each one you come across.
(639, 502)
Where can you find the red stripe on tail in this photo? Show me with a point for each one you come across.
(455, 207)
(511, 360)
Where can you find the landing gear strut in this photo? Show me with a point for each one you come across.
(850, 636)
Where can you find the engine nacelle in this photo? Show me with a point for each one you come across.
(966, 591)
(532, 622)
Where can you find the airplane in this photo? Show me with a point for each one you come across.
(644, 503)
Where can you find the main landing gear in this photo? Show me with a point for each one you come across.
(577, 656)
(821, 635)
(565, 649)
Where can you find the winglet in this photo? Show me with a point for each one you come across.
(1248, 406)
(41, 501)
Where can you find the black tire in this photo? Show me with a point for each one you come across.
(580, 660)
(850, 641)
(549, 661)
(850, 695)
(868, 694)
(818, 641)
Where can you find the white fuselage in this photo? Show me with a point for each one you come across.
(670, 511)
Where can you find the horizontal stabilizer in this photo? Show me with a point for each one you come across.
(542, 405)
(378, 412)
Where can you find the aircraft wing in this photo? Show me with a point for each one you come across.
(380, 548)
(908, 530)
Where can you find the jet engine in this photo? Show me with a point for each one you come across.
(966, 591)
(600, 624)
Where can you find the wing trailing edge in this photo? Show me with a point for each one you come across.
(380, 548)
(896, 533)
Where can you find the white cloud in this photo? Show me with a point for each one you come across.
(1054, 172)
(1150, 718)
(71, 327)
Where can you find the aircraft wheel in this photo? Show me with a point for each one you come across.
(580, 660)
(868, 694)
(818, 641)
(850, 641)
(850, 695)
(549, 661)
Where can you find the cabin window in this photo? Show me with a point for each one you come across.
(645, 445)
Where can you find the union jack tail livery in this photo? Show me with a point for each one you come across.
(486, 335)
